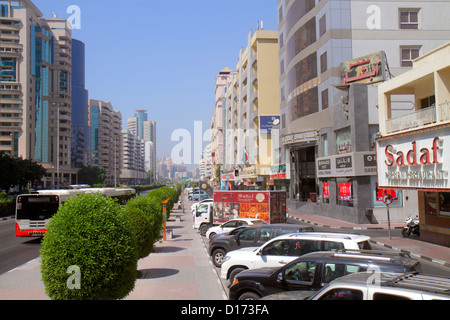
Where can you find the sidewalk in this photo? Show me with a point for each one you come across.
(413, 246)
(179, 269)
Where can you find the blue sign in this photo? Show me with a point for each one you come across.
(266, 123)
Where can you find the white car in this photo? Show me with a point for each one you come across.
(231, 225)
(195, 205)
(285, 248)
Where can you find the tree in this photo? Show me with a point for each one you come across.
(18, 171)
(91, 175)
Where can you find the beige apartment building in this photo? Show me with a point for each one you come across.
(217, 128)
(413, 150)
(106, 139)
(251, 111)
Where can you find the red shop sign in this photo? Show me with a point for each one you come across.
(326, 190)
(345, 191)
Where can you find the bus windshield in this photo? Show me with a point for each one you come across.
(34, 207)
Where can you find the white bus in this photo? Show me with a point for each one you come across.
(33, 211)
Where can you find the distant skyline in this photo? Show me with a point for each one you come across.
(149, 55)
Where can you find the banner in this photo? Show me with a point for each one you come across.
(326, 190)
(345, 191)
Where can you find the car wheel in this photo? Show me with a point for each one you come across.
(249, 296)
(218, 256)
(203, 229)
(234, 273)
(190, 198)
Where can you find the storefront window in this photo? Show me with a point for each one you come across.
(378, 193)
(343, 141)
(344, 192)
(444, 203)
(324, 190)
(437, 203)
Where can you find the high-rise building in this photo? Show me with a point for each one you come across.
(332, 55)
(217, 152)
(251, 110)
(80, 150)
(140, 126)
(35, 93)
(133, 166)
(106, 139)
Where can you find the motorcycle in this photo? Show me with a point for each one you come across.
(412, 227)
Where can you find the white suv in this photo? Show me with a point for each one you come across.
(285, 248)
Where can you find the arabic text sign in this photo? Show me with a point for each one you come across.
(368, 69)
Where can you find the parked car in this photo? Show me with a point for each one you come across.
(197, 195)
(283, 249)
(378, 286)
(314, 270)
(231, 225)
(195, 205)
(251, 236)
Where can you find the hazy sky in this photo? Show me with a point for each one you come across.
(162, 56)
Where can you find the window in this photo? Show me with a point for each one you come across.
(437, 203)
(324, 99)
(277, 248)
(427, 102)
(332, 245)
(343, 141)
(387, 296)
(343, 294)
(333, 271)
(301, 271)
(248, 235)
(266, 234)
(302, 247)
(408, 55)
(409, 18)
(323, 62)
(322, 25)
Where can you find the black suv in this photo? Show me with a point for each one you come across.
(312, 271)
(251, 236)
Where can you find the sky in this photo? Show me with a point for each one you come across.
(161, 56)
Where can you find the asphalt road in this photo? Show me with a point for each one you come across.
(15, 251)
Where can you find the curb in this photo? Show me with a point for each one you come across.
(340, 227)
(412, 254)
(6, 218)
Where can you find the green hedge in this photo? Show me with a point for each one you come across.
(92, 233)
(152, 211)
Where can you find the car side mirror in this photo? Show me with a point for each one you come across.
(280, 277)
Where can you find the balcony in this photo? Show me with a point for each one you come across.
(421, 118)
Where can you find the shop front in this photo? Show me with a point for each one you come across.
(420, 160)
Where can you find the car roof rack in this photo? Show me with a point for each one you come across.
(423, 282)
(374, 252)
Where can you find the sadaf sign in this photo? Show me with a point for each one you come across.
(416, 160)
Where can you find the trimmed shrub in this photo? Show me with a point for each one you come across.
(162, 195)
(89, 233)
(152, 209)
(142, 229)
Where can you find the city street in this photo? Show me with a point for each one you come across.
(15, 251)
